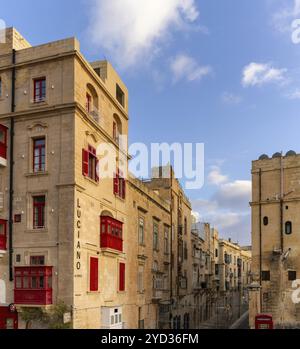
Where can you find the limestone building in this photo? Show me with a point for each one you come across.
(275, 221)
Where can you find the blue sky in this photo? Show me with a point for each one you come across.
(225, 73)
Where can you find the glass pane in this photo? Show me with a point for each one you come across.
(34, 283)
(25, 282)
(2, 136)
(41, 282)
(18, 282)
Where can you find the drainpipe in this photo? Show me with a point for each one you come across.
(11, 167)
(281, 204)
(260, 233)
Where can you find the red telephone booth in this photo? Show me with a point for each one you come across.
(8, 318)
(264, 322)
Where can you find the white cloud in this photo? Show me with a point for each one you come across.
(231, 98)
(216, 177)
(234, 195)
(257, 74)
(131, 30)
(228, 208)
(184, 67)
(294, 95)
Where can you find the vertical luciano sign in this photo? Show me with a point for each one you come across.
(78, 236)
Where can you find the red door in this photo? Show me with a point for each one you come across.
(8, 318)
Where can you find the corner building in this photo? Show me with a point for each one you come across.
(63, 228)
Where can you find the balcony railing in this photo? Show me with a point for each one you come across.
(157, 294)
(33, 297)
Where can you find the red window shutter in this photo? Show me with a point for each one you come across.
(124, 189)
(85, 162)
(122, 277)
(94, 274)
(116, 184)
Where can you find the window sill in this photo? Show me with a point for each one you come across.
(120, 198)
(90, 293)
(42, 231)
(37, 174)
(36, 104)
(91, 180)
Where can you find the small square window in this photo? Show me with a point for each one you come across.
(265, 276)
(292, 275)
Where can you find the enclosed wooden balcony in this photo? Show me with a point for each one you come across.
(33, 285)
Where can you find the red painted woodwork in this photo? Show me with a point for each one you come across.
(94, 270)
(3, 234)
(122, 277)
(8, 318)
(111, 234)
(33, 285)
(3, 142)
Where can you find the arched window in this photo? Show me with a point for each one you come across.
(117, 128)
(92, 102)
(266, 220)
(288, 228)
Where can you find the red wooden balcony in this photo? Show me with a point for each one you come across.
(111, 234)
(3, 145)
(3, 235)
(2, 242)
(33, 285)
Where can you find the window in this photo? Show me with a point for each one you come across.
(265, 276)
(39, 155)
(39, 203)
(94, 274)
(37, 260)
(3, 142)
(140, 281)
(120, 95)
(185, 226)
(119, 185)
(141, 231)
(288, 228)
(292, 275)
(88, 102)
(39, 90)
(166, 241)
(0, 87)
(90, 164)
(185, 251)
(217, 253)
(122, 277)
(217, 269)
(155, 237)
(266, 221)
